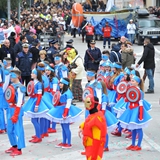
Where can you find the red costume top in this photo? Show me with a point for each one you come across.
(94, 135)
(89, 30)
(107, 31)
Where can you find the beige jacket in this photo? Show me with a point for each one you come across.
(80, 68)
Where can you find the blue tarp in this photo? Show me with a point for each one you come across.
(118, 26)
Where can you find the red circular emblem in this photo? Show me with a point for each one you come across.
(56, 98)
(30, 88)
(10, 94)
(86, 92)
(122, 87)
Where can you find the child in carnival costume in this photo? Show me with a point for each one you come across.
(111, 120)
(94, 130)
(135, 117)
(35, 108)
(121, 105)
(53, 87)
(5, 74)
(61, 70)
(65, 113)
(15, 97)
(114, 80)
(47, 99)
(94, 86)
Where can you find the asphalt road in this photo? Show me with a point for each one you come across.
(46, 150)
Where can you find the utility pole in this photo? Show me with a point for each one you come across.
(19, 10)
(9, 10)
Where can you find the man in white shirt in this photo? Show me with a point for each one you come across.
(131, 30)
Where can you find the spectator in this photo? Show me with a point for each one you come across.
(115, 55)
(18, 46)
(7, 51)
(89, 29)
(106, 35)
(17, 31)
(35, 53)
(24, 63)
(148, 58)
(77, 75)
(87, 7)
(12, 39)
(101, 7)
(131, 30)
(122, 40)
(43, 57)
(127, 56)
(92, 57)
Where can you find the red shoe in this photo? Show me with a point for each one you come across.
(50, 130)
(16, 153)
(34, 136)
(36, 140)
(128, 136)
(60, 145)
(130, 147)
(44, 135)
(83, 153)
(116, 133)
(106, 149)
(2, 131)
(10, 150)
(136, 148)
(67, 146)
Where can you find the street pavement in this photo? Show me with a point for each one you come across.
(46, 149)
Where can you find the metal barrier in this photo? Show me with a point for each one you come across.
(45, 37)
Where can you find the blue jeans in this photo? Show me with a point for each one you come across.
(131, 37)
(149, 73)
(106, 39)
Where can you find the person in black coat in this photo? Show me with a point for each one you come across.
(82, 27)
(18, 46)
(92, 57)
(115, 55)
(148, 58)
(7, 51)
(43, 57)
(12, 39)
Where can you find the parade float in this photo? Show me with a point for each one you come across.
(115, 14)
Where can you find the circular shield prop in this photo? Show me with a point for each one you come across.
(56, 98)
(122, 87)
(86, 92)
(30, 88)
(133, 94)
(10, 94)
(108, 85)
(101, 78)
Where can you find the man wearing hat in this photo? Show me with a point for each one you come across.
(24, 63)
(131, 30)
(53, 49)
(92, 57)
(82, 27)
(69, 44)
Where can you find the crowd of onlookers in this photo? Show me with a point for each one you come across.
(154, 10)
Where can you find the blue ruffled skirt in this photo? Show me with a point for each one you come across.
(120, 107)
(111, 121)
(129, 119)
(55, 114)
(47, 98)
(29, 106)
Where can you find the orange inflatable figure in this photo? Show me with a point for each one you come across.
(77, 14)
(94, 130)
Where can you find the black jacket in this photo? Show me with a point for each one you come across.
(35, 54)
(18, 48)
(148, 57)
(92, 59)
(12, 41)
(7, 52)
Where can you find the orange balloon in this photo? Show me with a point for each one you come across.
(77, 14)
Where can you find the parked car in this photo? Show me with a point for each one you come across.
(147, 26)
